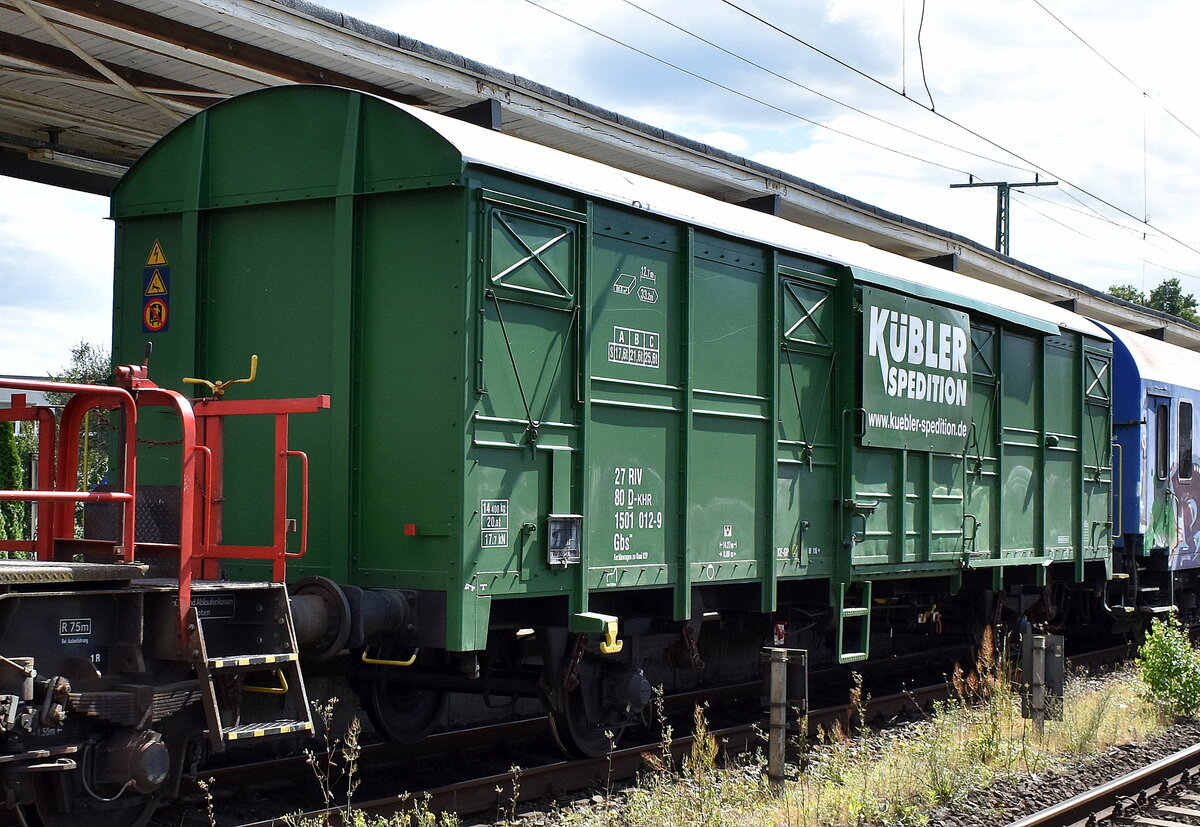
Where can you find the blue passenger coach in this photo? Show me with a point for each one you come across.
(1157, 530)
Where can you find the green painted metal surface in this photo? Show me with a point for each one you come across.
(501, 350)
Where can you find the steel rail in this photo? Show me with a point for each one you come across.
(1103, 801)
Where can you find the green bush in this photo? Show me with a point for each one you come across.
(1170, 668)
(12, 514)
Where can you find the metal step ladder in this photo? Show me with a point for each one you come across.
(1155, 598)
(854, 621)
(225, 679)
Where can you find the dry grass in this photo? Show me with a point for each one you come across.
(896, 777)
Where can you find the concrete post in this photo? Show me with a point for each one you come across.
(777, 695)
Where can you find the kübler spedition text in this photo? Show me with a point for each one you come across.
(922, 343)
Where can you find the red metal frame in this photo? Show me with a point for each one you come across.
(21, 412)
(52, 513)
(201, 479)
(209, 414)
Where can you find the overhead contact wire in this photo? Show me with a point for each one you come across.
(1012, 153)
(1142, 259)
(921, 55)
(1115, 68)
(816, 92)
(744, 95)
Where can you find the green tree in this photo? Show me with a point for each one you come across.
(12, 514)
(90, 365)
(1129, 293)
(1170, 298)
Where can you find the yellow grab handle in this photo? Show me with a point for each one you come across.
(218, 388)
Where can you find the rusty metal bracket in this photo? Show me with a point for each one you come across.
(691, 647)
(571, 674)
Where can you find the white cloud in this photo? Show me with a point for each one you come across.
(55, 275)
(728, 141)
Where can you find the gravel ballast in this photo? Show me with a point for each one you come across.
(1019, 796)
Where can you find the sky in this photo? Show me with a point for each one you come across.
(887, 101)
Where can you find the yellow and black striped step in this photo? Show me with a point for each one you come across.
(242, 661)
(264, 729)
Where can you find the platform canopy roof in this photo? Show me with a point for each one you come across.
(86, 86)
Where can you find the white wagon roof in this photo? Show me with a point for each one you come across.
(503, 152)
(1158, 361)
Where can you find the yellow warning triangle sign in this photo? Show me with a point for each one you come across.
(156, 259)
(156, 287)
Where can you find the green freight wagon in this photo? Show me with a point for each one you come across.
(594, 431)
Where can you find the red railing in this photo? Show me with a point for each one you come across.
(56, 502)
(201, 488)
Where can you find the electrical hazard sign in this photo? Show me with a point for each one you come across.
(156, 257)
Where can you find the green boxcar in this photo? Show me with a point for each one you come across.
(559, 383)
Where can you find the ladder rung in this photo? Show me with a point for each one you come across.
(856, 611)
(264, 729)
(851, 657)
(235, 661)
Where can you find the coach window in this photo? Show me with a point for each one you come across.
(1162, 440)
(1185, 440)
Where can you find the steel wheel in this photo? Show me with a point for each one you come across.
(403, 712)
(59, 800)
(582, 727)
(579, 733)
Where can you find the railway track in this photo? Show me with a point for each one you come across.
(1162, 794)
